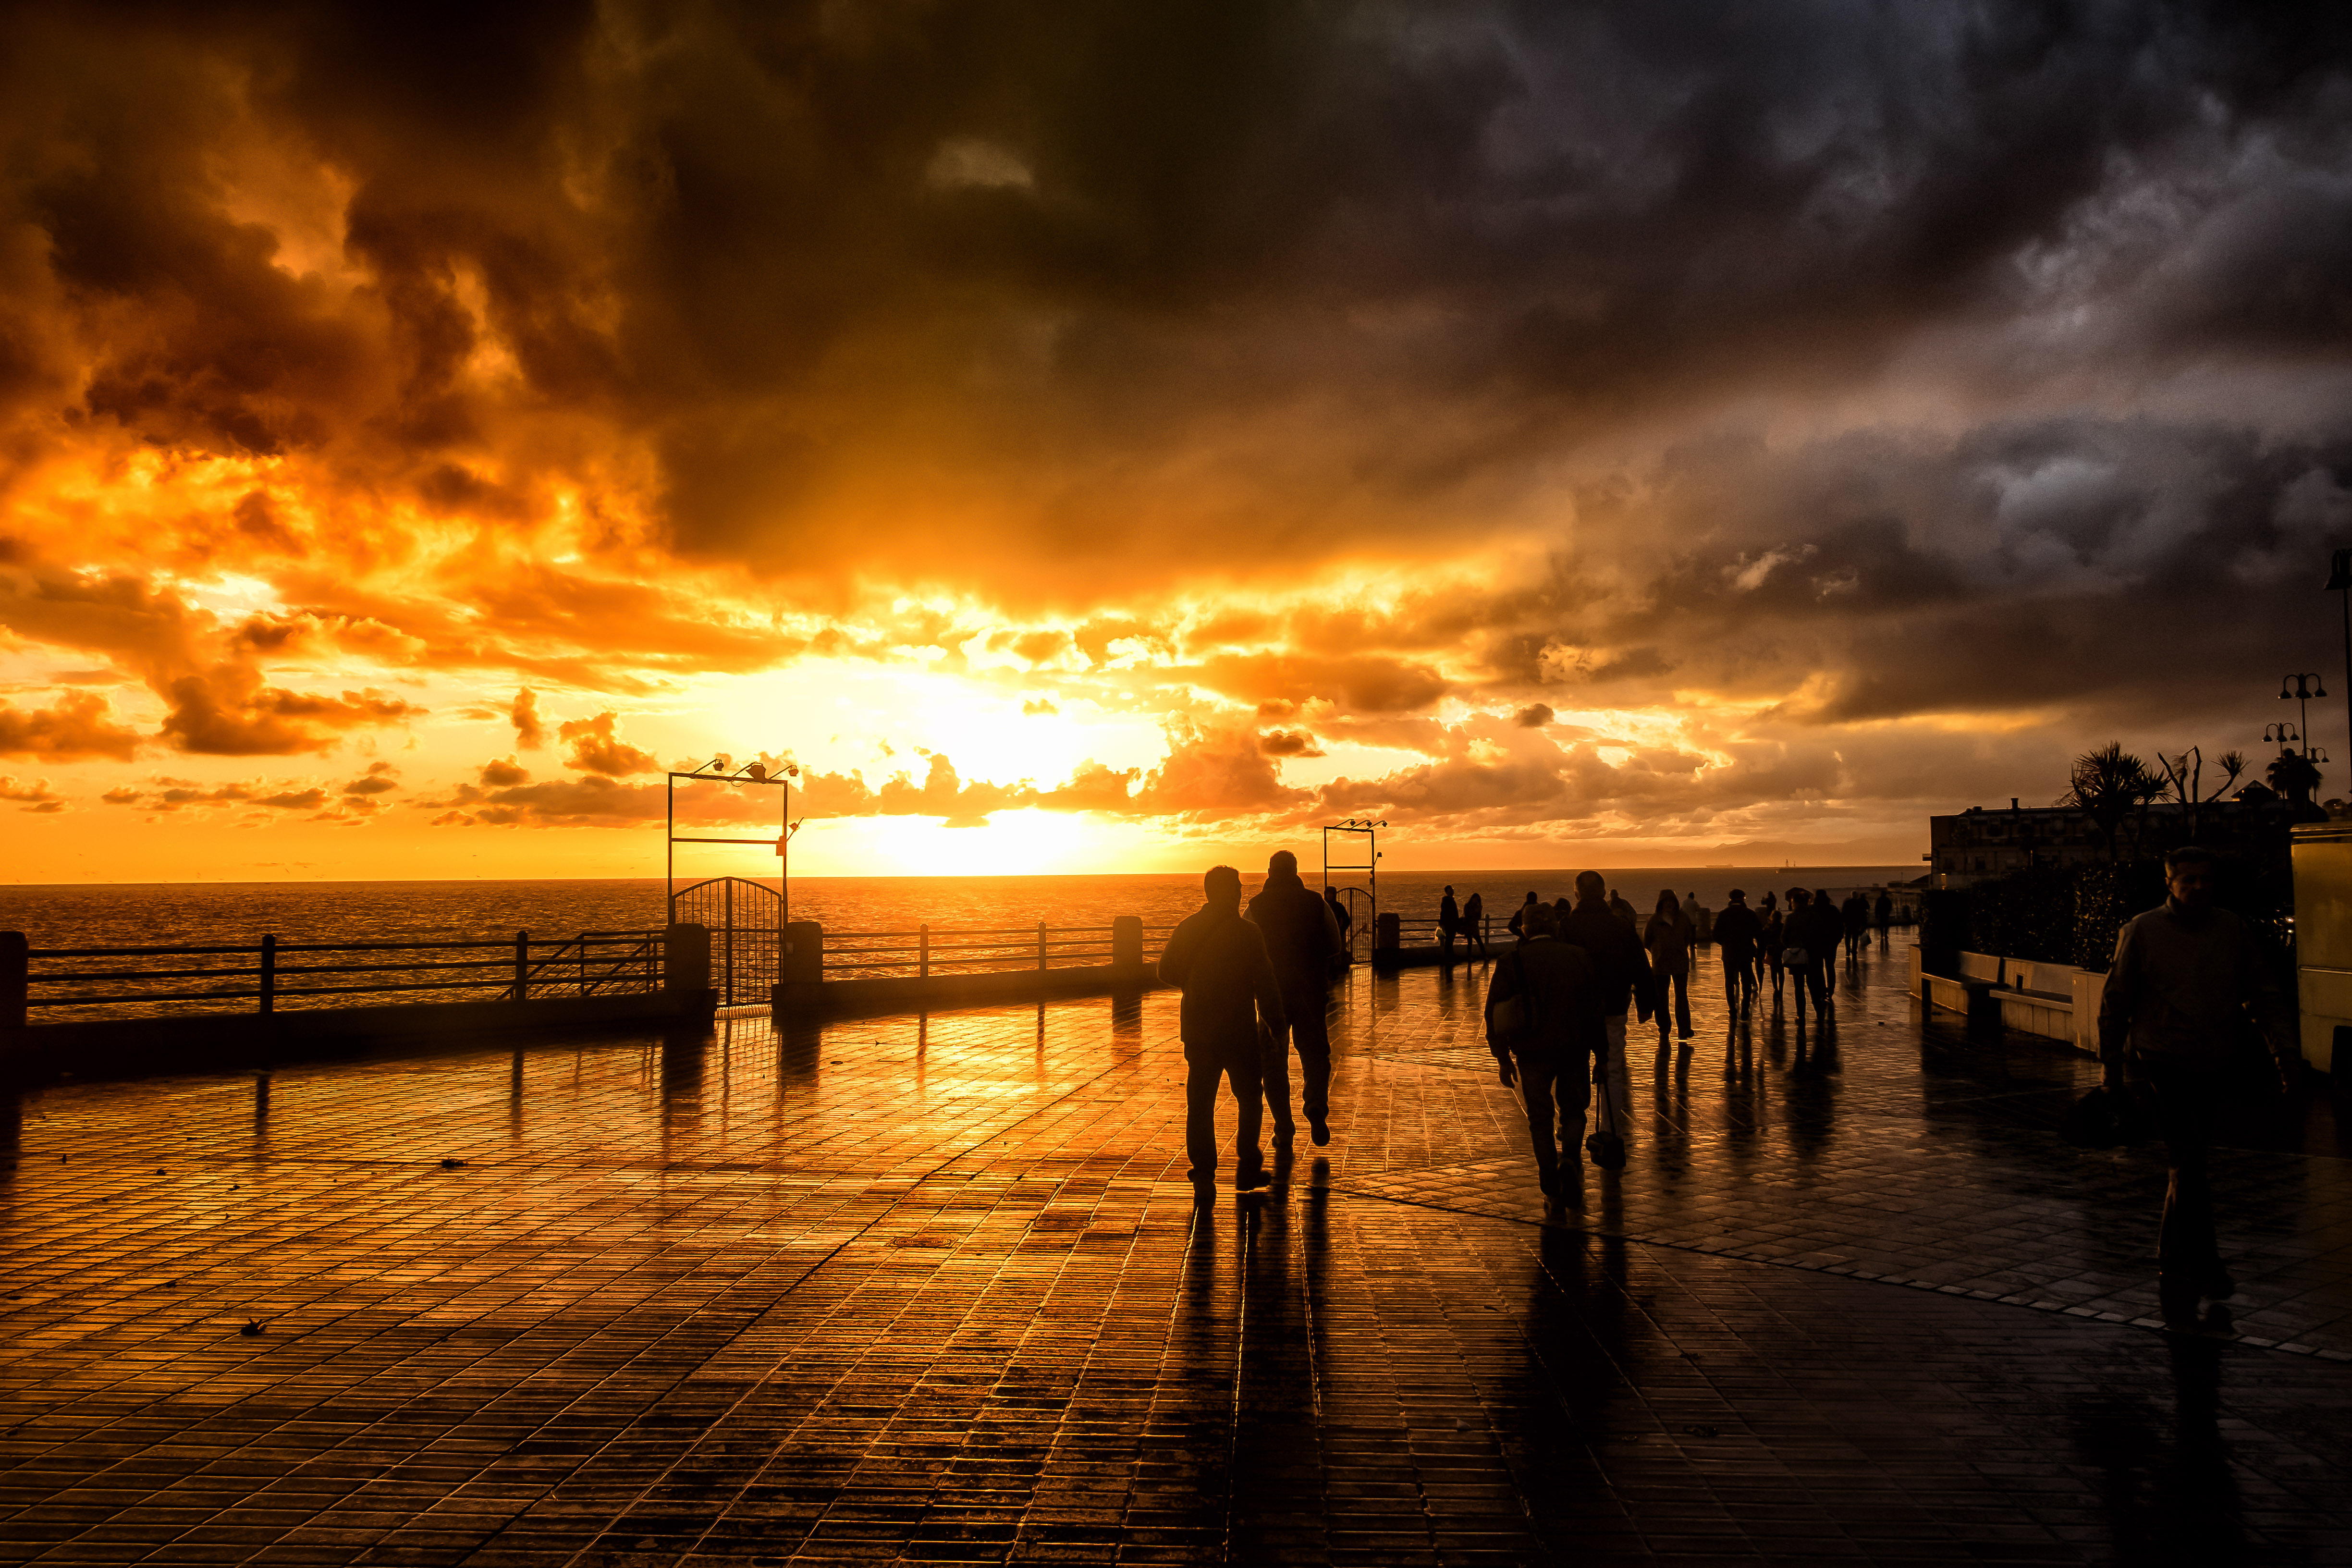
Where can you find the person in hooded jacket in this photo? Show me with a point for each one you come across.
(1474, 926)
(1624, 967)
(1302, 939)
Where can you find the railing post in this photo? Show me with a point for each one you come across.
(923, 953)
(268, 1003)
(1126, 943)
(805, 952)
(1041, 944)
(16, 978)
(522, 966)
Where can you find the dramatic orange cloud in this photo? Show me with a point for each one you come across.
(1642, 434)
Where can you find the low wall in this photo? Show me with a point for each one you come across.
(906, 993)
(109, 1047)
(2026, 996)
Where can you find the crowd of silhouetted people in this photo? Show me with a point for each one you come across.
(1255, 987)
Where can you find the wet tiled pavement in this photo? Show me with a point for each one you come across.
(935, 1291)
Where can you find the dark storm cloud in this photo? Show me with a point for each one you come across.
(1040, 284)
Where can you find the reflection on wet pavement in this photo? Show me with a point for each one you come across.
(933, 1289)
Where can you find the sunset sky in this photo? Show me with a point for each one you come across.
(1112, 437)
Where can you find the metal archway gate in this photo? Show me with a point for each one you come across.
(746, 922)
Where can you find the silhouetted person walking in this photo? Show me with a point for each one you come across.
(1230, 992)
(1775, 938)
(1474, 925)
(1831, 931)
(1449, 917)
(1809, 937)
(1668, 938)
(1551, 990)
(2185, 976)
(1623, 968)
(1519, 916)
(1624, 910)
(1302, 939)
(1701, 918)
(1884, 913)
(1857, 925)
(1737, 935)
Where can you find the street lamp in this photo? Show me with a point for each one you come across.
(2339, 581)
(2306, 687)
(2280, 735)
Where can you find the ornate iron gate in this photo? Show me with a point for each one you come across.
(746, 922)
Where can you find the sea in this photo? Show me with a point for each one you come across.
(166, 914)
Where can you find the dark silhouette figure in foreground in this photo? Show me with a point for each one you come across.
(1737, 932)
(1474, 925)
(1449, 917)
(1622, 966)
(1302, 939)
(1543, 1024)
(2185, 977)
(1668, 936)
(1230, 994)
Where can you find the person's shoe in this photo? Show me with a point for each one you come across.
(1281, 1139)
(1254, 1180)
(1320, 1130)
(1554, 1209)
(2218, 1286)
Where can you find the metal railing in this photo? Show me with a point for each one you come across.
(265, 977)
(929, 949)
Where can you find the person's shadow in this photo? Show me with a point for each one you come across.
(2168, 1497)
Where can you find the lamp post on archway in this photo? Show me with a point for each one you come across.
(2304, 687)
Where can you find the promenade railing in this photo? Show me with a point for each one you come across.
(939, 950)
(274, 975)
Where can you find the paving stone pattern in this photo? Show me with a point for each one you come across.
(934, 1289)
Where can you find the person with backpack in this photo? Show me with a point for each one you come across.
(1544, 1027)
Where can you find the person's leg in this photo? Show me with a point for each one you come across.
(1274, 1077)
(1682, 1004)
(1310, 1027)
(1537, 1087)
(1201, 1077)
(1621, 1090)
(1249, 1161)
(2189, 1252)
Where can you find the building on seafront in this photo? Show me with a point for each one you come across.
(1980, 844)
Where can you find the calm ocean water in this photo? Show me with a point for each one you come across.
(167, 914)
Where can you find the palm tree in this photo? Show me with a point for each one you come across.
(2109, 784)
(2294, 775)
(2233, 763)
